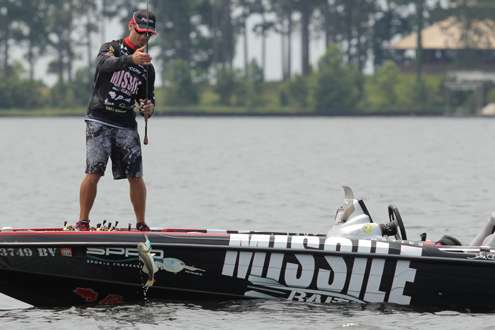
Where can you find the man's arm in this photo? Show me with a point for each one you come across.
(106, 61)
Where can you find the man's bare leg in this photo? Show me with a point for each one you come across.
(87, 195)
(137, 191)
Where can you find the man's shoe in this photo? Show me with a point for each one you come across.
(141, 226)
(82, 225)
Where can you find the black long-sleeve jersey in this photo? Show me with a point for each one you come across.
(118, 84)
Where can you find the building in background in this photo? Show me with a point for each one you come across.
(463, 50)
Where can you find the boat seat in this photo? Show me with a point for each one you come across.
(488, 230)
(489, 241)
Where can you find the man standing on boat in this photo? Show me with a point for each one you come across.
(124, 81)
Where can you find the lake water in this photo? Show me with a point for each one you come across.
(282, 174)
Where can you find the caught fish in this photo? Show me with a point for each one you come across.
(146, 257)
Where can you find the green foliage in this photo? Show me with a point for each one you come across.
(82, 86)
(73, 93)
(208, 97)
(434, 97)
(383, 91)
(198, 36)
(490, 95)
(391, 91)
(333, 89)
(61, 95)
(296, 92)
(228, 83)
(270, 94)
(252, 86)
(337, 85)
(20, 93)
(180, 89)
(234, 88)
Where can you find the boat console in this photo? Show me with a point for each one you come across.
(353, 220)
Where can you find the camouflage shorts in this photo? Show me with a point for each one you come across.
(122, 145)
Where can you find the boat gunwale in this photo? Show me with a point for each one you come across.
(454, 258)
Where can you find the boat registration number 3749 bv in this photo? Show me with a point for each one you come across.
(34, 252)
(305, 276)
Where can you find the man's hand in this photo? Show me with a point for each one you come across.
(140, 57)
(146, 107)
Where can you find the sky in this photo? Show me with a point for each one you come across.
(273, 70)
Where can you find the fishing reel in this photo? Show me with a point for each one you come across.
(106, 227)
(99, 227)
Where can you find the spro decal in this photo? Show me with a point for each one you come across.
(116, 256)
(121, 252)
(318, 277)
(128, 257)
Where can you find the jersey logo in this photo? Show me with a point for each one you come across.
(111, 51)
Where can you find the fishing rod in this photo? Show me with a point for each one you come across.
(145, 140)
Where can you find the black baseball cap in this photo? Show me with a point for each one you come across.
(144, 20)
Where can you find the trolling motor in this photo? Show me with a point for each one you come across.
(353, 220)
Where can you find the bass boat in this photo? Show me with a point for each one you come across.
(357, 261)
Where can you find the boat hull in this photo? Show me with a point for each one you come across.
(55, 268)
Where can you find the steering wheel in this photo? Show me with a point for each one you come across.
(394, 216)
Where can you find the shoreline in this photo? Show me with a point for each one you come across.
(80, 112)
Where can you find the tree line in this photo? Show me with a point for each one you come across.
(196, 48)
